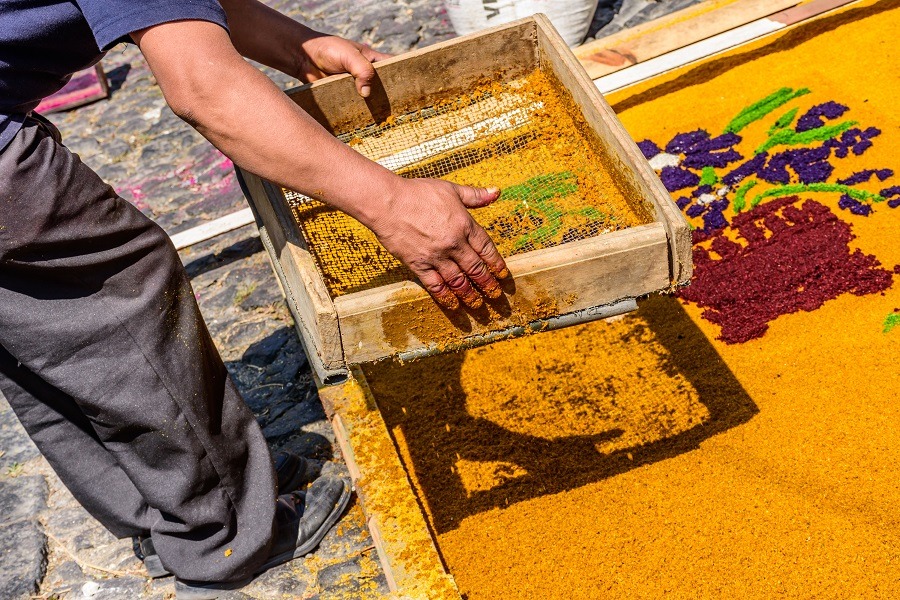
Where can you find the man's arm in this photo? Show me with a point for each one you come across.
(265, 35)
(423, 222)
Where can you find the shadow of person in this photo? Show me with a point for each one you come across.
(553, 412)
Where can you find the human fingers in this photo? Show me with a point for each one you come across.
(373, 55)
(459, 284)
(484, 246)
(473, 197)
(478, 272)
(355, 63)
(435, 285)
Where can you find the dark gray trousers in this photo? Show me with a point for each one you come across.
(107, 362)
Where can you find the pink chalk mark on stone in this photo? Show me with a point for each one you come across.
(217, 178)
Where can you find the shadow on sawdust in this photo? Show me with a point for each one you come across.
(687, 352)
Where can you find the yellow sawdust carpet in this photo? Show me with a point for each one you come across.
(740, 440)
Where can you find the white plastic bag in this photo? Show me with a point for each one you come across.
(571, 17)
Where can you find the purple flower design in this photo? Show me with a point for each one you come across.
(813, 117)
(678, 178)
(649, 149)
(893, 195)
(697, 156)
(751, 167)
(700, 150)
(854, 139)
(854, 206)
(865, 175)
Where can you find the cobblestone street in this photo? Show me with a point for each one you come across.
(153, 159)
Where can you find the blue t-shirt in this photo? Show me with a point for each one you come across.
(42, 42)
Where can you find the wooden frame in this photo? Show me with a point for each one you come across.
(573, 276)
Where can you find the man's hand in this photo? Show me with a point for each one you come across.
(330, 55)
(276, 40)
(428, 227)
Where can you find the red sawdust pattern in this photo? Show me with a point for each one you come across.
(793, 257)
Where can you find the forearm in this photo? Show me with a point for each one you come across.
(265, 35)
(251, 121)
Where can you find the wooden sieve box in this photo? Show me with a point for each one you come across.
(573, 281)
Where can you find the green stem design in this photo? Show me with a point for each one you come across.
(740, 198)
(536, 195)
(708, 176)
(758, 110)
(783, 121)
(789, 137)
(891, 322)
(801, 188)
(541, 188)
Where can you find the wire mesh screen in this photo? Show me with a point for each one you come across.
(523, 136)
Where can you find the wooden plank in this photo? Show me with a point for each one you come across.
(401, 535)
(620, 148)
(402, 317)
(421, 78)
(808, 10)
(214, 228)
(307, 296)
(680, 29)
(85, 86)
(672, 60)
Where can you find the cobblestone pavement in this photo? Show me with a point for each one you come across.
(49, 545)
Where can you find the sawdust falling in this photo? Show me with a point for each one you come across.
(413, 317)
(525, 137)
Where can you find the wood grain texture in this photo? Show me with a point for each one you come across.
(422, 78)
(399, 530)
(307, 296)
(619, 147)
(574, 276)
(682, 28)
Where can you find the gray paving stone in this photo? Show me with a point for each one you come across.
(22, 497)
(14, 442)
(117, 588)
(23, 559)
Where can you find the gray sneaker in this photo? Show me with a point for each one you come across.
(301, 521)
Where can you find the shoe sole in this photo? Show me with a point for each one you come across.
(316, 539)
(154, 567)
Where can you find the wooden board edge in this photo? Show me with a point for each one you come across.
(671, 32)
(335, 104)
(599, 273)
(399, 530)
(307, 296)
(604, 121)
(520, 265)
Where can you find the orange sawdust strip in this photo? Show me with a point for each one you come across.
(646, 458)
(385, 495)
(529, 140)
